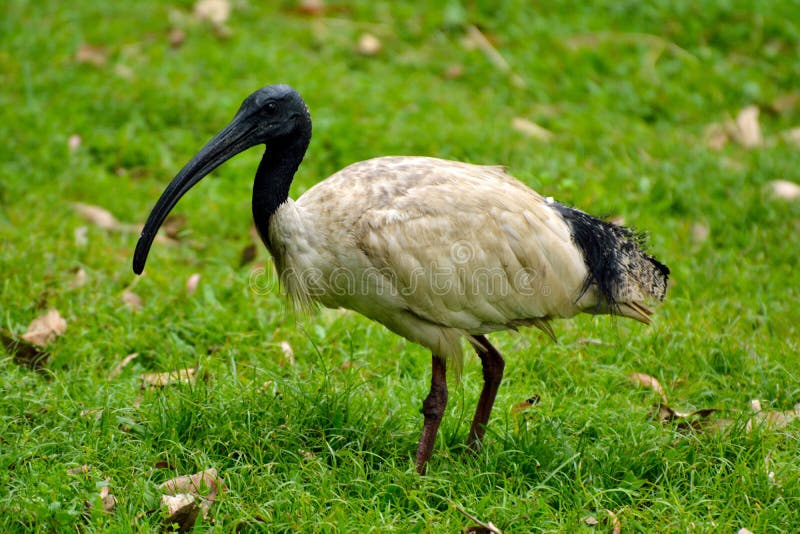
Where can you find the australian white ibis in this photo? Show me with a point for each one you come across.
(434, 250)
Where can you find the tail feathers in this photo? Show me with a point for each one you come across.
(623, 273)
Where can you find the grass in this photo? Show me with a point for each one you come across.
(628, 88)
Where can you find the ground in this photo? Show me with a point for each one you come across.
(103, 102)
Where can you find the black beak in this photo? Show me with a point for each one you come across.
(232, 140)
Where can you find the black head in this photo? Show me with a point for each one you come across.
(273, 114)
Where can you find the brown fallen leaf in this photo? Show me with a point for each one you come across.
(81, 236)
(248, 255)
(96, 215)
(176, 37)
(368, 45)
(648, 381)
(527, 403)
(531, 129)
(476, 39)
(159, 380)
(785, 102)
(121, 365)
(784, 189)
(616, 526)
(93, 55)
(716, 136)
(214, 11)
(24, 353)
(191, 284)
(591, 521)
(45, 328)
(744, 531)
(79, 279)
(181, 511)
(109, 502)
(74, 142)
(748, 132)
(700, 232)
(454, 71)
(311, 7)
(173, 226)
(791, 136)
(288, 352)
(79, 470)
(772, 420)
(203, 484)
(692, 421)
(107, 498)
(132, 300)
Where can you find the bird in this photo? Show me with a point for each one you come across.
(437, 251)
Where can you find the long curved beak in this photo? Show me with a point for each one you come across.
(232, 140)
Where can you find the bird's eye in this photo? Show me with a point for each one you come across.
(270, 108)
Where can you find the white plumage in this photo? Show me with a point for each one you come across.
(435, 250)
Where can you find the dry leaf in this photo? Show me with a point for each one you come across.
(785, 102)
(191, 284)
(79, 280)
(288, 352)
(159, 380)
(45, 328)
(81, 236)
(132, 300)
(748, 131)
(591, 521)
(744, 531)
(527, 403)
(214, 11)
(476, 39)
(785, 189)
(531, 129)
(616, 527)
(121, 365)
(174, 225)
(106, 497)
(453, 71)
(248, 255)
(74, 142)
(481, 527)
(176, 37)
(203, 484)
(772, 420)
(590, 341)
(368, 45)
(715, 136)
(94, 55)
(97, 216)
(311, 7)
(182, 511)
(92, 412)
(700, 232)
(24, 353)
(648, 381)
(791, 136)
(80, 470)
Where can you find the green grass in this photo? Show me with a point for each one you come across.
(628, 88)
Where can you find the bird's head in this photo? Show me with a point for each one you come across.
(273, 114)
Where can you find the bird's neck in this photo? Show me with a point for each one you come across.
(273, 179)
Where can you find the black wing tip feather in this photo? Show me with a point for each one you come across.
(605, 246)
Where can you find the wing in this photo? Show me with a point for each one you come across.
(470, 247)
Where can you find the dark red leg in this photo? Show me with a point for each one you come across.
(432, 408)
(493, 366)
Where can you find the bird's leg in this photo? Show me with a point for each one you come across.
(493, 366)
(432, 408)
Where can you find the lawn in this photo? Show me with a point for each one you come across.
(312, 421)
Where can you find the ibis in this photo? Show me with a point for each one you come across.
(437, 251)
